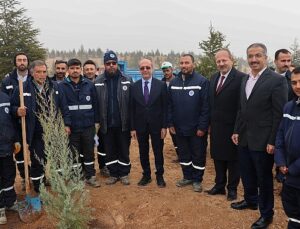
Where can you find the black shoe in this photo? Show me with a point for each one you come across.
(216, 191)
(232, 195)
(160, 182)
(262, 223)
(144, 181)
(241, 205)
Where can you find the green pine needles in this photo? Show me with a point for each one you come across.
(66, 201)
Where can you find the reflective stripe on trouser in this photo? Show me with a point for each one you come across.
(192, 156)
(101, 151)
(82, 143)
(117, 152)
(20, 162)
(7, 180)
(38, 158)
(290, 197)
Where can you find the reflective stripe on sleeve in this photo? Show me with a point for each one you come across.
(291, 117)
(26, 94)
(9, 87)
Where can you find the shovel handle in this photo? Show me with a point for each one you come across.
(24, 141)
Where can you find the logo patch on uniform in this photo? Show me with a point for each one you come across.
(124, 88)
(6, 109)
(191, 93)
(88, 98)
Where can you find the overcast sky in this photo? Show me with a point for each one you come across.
(128, 25)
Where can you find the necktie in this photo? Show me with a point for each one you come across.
(219, 88)
(146, 92)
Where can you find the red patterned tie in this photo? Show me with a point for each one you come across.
(219, 88)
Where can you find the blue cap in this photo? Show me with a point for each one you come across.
(110, 55)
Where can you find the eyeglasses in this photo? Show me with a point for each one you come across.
(145, 67)
(110, 63)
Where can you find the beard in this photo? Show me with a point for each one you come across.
(111, 73)
(22, 68)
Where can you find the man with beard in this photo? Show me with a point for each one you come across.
(262, 97)
(90, 72)
(9, 83)
(60, 70)
(283, 62)
(37, 92)
(113, 94)
(81, 99)
(188, 111)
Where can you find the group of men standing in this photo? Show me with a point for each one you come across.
(241, 113)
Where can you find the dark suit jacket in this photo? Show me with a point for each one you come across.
(259, 116)
(152, 115)
(224, 108)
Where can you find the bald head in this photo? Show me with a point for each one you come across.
(146, 68)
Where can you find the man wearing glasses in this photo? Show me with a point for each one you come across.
(149, 118)
(113, 95)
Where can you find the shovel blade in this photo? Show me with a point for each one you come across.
(30, 209)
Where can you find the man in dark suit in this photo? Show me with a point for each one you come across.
(263, 95)
(149, 118)
(283, 62)
(224, 100)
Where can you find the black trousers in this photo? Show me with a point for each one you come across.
(157, 146)
(101, 151)
(226, 169)
(20, 162)
(257, 178)
(7, 179)
(192, 156)
(116, 146)
(290, 197)
(82, 143)
(38, 159)
(173, 136)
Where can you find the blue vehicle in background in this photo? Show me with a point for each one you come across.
(135, 73)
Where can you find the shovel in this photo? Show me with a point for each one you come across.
(29, 209)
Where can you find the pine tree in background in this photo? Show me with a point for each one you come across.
(67, 200)
(16, 34)
(215, 41)
(295, 53)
